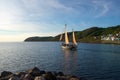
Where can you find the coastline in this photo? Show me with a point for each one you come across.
(101, 42)
(36, 74)
(92, 42)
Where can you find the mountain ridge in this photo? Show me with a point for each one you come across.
(92, 34)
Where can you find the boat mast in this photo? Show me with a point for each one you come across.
(73, 38)
(66, 35)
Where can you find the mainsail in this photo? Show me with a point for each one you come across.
(73, 39)
(66, 36)
(66, 45)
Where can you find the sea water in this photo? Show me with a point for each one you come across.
(89, 61)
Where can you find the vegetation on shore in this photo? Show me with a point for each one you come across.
(90, 35)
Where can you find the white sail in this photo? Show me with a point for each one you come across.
(61, 37)
(66, 45)
(73, 39)
(66, 36)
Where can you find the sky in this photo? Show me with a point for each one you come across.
(20, 19)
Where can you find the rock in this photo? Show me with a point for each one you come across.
(55, 73)
(49, 73)
(39, 78)
(42, 72)
(14, 78)
(60, 74)
(21, 74)
(50, 76)
(6, 73)
(61, 78)
(34, 72)
(74, 78)
(28, 77)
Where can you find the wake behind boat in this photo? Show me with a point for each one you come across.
(66, 44)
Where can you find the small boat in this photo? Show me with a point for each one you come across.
(66, 44)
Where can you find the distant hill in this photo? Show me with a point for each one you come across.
(92, 34)
(36, 38)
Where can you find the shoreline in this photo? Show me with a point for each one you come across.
(92, 42)
(102, 42)
(36, 74)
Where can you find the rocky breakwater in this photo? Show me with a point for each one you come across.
(36, 74)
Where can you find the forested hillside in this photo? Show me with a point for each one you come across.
(92, 34)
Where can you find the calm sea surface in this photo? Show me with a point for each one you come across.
(89, 61)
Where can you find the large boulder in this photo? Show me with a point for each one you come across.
(39, 78)
(49, 76)
(73, 78)
(61, 78)
(21, 75)
(42, 72)
(28, 77)
(6, 73)
(14, 78)
(60, 74)
(34, 72)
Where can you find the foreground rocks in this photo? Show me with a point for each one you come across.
(35, 74)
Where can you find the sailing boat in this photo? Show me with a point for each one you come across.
(66, 44)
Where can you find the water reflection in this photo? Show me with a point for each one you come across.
(74, 55)
(70, 61)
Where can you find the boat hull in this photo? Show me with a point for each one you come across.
(70, 47)
(65, 47)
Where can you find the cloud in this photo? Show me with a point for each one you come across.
(11, 12)
(101, 7)
(29, 28)
(45, 17)
(45, 7)
(57, 5)
(19, 27)
(105, 10)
